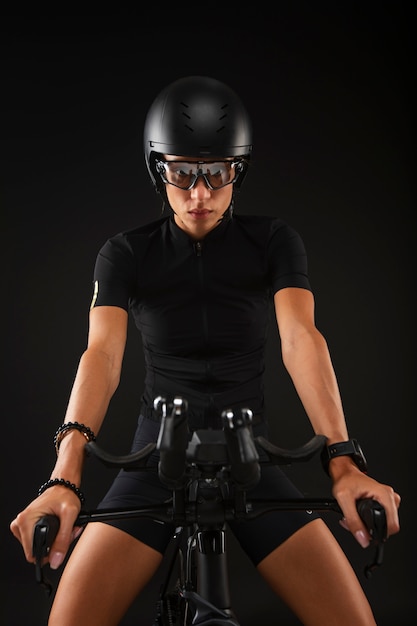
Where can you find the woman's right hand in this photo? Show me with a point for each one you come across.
(59, 501)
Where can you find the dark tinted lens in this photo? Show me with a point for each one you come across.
(183, 174)
(219, 174)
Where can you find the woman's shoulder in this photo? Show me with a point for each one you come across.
(266, 224)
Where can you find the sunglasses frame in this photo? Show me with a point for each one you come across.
(161, 169)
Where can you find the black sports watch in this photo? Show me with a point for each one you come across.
(344, 448)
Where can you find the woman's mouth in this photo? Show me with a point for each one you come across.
(199, 213)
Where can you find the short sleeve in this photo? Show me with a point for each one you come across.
(287, 258)
(114, 274)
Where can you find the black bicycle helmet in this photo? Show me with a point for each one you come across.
(197, 116)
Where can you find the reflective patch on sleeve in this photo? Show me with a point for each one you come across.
(95, 294)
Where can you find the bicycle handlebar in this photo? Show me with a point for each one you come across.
(228, 454)
(370, 511)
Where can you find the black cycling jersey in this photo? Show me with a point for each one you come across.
(203, 310)
(202, 307)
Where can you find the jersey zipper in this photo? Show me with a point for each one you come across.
(198, 247)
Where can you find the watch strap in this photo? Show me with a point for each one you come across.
(351, 448)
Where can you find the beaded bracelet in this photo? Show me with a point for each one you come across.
(64, 483)
(65, 428)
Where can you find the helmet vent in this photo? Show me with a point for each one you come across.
(184, 112)
(222, 118)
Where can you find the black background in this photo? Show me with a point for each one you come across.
(330, 92)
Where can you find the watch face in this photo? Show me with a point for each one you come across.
(359, 456)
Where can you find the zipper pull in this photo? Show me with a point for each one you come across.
(198, 247)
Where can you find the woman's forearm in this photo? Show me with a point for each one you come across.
(309, 365)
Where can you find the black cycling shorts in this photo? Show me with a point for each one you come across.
(258, 537)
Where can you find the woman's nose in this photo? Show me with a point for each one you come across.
(200, 189)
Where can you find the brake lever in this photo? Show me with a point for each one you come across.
(44, 533)
(373, 516)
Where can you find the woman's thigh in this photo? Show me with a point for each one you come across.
(313, 576)
(105, 572)
(261, 535)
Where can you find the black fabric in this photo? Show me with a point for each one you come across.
(203, 311)
(141, 488)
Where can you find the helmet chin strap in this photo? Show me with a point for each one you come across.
(228, 214)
